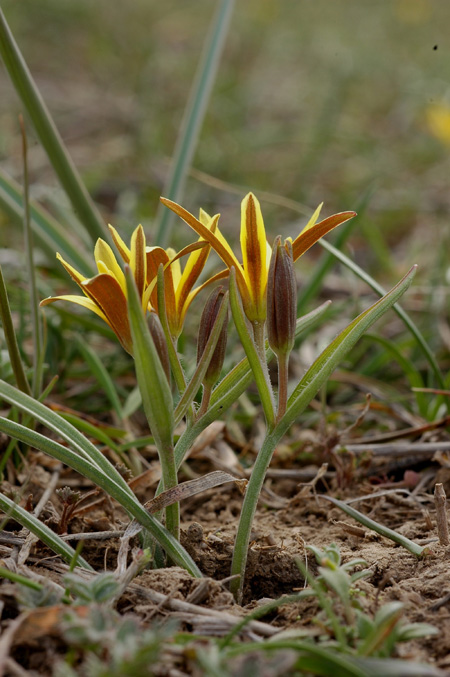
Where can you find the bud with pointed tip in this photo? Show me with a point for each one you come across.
(281, 298)
(207, 321)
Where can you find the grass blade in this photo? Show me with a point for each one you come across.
(126, 498)
(63, 428)
(11, 339)
(415, 331)
(38, 356)
(45, 534)
(325, 364)
(193, 118)
(101, 374)
(48, 134)
(50, 235)
(417, 550)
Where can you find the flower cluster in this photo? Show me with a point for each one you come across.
(106, 293)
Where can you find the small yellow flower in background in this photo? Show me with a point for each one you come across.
(437, 118)
(106, 293)
(252, 274)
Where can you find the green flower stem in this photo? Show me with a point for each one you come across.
(248, 512)
(283, 364)
(170, 479)
(48, 134)
(254, 350)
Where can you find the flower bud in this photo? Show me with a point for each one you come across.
(281, 298)
(207, 321)
(159, 339)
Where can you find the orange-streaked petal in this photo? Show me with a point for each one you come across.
(191, 296)
(193, 268)
(138, 259)
(79, 300)
(175, 266)
(108, 295)
(120, 244)
(254, 256)
(74, 274)
(307, 238)
(216, 240)
(156, 256)
(104, 254)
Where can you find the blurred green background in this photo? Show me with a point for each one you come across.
(346, 102)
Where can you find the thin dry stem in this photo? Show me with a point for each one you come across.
(440, 500)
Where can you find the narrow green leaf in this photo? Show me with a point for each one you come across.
(36, 324)
(18, 578)
(132, 403)
(156, 396)
(326, 363)
(105, 481)
(46, 535)
(348, 263)
(101, 374)
(411, 372)
(11, 339)
(50, 235)
(90, 429)
(417, 550)
(153, 384)
(63, 428)
(48, 134)
(193, 117)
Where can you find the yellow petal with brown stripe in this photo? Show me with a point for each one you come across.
(120, 244)
(107, 293)
(79, 300)
(155, 257)
(308, 237)
(138, 259)
(216, 239)
(74, 274)
(254, 256)
(104, 254)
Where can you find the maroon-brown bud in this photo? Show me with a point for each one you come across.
(207, 322)
(159, 339)
(281, 298)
